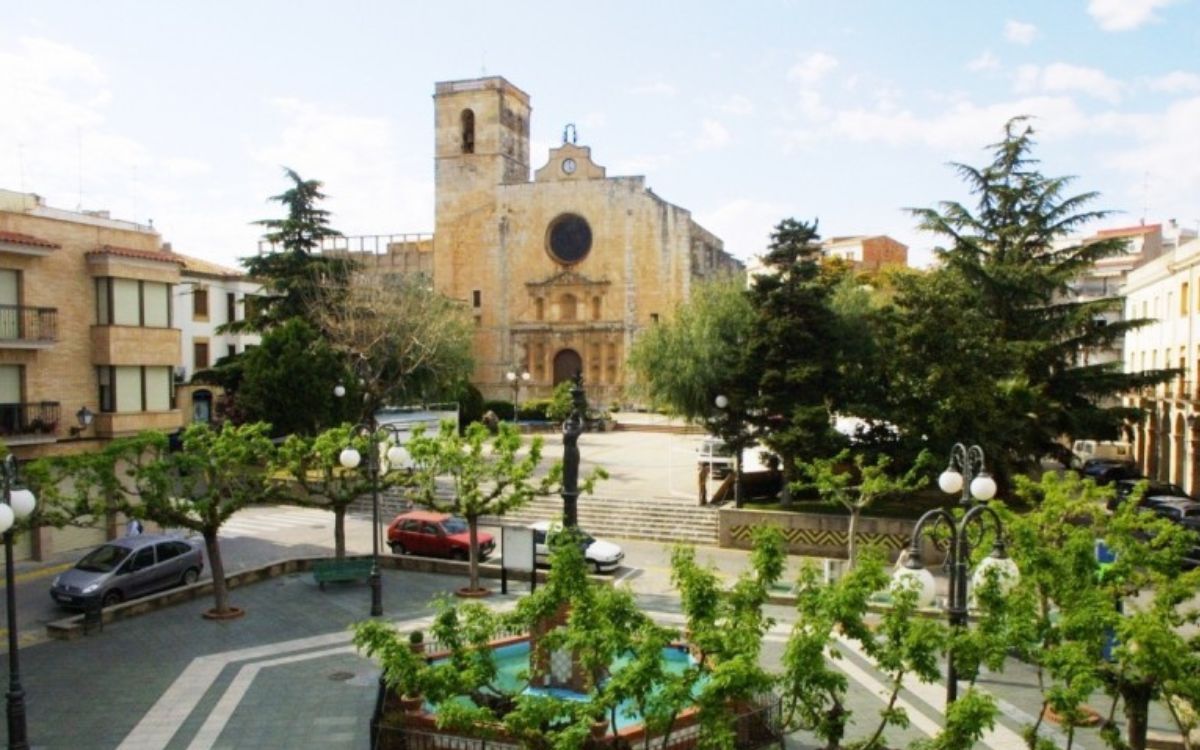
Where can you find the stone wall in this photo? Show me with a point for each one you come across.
(818, 534)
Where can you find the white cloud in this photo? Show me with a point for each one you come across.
(1124, 15)
(744, 224)
(1169, 152)
(1063, 77)
(813, 68)
(1176, 82)
(654, 88)
(1018, 32)
(737, 105)
(713, 135)
(985, 61)
(356, 158)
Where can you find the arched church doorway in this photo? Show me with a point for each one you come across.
(566, 363)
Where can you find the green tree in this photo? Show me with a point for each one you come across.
(404, 341)
(856, 485)
(1123, 631)
(288, 382)
(792, 349)
(316, 477)
(1014, 257)
(215, 474)
(294, 275)
(486, 475)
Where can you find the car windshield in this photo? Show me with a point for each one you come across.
(103, 559)
(454, 525)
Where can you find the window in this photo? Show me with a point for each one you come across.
(250, 305)
(654, 318)
(467, 119)
(200, 355)
(539, 307)
(230, 307)
(135, 389)
(476, 298)
(200, 304)
(168, 550)
(130, 302)
(231, 350)
(1184, 299)
(142, 559)
(595, 308)
(566, 307)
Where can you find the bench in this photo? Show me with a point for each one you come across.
(346, 569)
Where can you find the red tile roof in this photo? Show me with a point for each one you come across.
(128, 252)
(16, 238)
(1130, 231)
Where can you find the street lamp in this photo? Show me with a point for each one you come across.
(18, 504)
(515, 379)
(914, 574)
(572, 428)
(977, 483)
(377, 435)
(722, 403)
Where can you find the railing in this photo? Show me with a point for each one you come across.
(29, 419)
(366, 244)
(32, 324)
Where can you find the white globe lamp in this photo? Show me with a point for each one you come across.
(23, 502)
(6, 518)
(917, 579)
(983, 486)
(398, 456)
(950, 481)
(349, 458)
(1005, 573)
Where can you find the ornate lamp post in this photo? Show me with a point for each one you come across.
(975, 520)
(722, 403)
(572, 429)
(977, 482)
(378, 465)
(515, 378)
(18, 504)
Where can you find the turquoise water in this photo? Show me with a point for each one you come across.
(512, 661)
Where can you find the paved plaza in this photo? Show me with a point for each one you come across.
(285, 675)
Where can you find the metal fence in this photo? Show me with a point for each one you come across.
(39, 418)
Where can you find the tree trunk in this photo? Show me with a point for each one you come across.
(1137, 697)
(339, 531)
(473, 553)
(852, 537)
(220, 593)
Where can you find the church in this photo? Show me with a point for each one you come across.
(562, 271)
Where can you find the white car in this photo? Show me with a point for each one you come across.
(602, 556)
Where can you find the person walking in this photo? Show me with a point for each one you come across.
(134, 527)
(704, 469)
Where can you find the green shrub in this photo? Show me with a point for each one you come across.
(535, 409)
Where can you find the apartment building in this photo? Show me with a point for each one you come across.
(209, 297)
(88, 341)
(867, 252)
(1166, 290)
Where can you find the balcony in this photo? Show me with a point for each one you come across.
(24, 327)
(135, 345)
(29, 422)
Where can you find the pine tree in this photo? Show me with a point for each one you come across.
(1013, 254)
(793, 350)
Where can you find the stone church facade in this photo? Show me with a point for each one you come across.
(561, 271)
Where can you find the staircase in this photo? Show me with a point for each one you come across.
(656, 519)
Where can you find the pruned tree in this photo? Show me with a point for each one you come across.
(403, 340)
(484, 475)
(857, 485)
(214, 474)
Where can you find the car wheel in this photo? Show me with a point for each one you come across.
(397, 548)
(111, 598)
(596, 568)
(459, 554)
(189, 576)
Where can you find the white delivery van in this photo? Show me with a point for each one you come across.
(1107, 450)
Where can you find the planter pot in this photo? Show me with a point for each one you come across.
(599, 729)
(1091, 716)
(412, 704)
(467, 593)
(230, 613)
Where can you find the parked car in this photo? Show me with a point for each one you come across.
(602, 556)
(1107, 471)
(128, 568)
(421, 532)
(1125, 487)
(1183, 512)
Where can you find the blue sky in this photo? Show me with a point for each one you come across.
(744, 113)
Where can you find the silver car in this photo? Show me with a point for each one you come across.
(128, 568)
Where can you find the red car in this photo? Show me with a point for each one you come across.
(421, 532)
